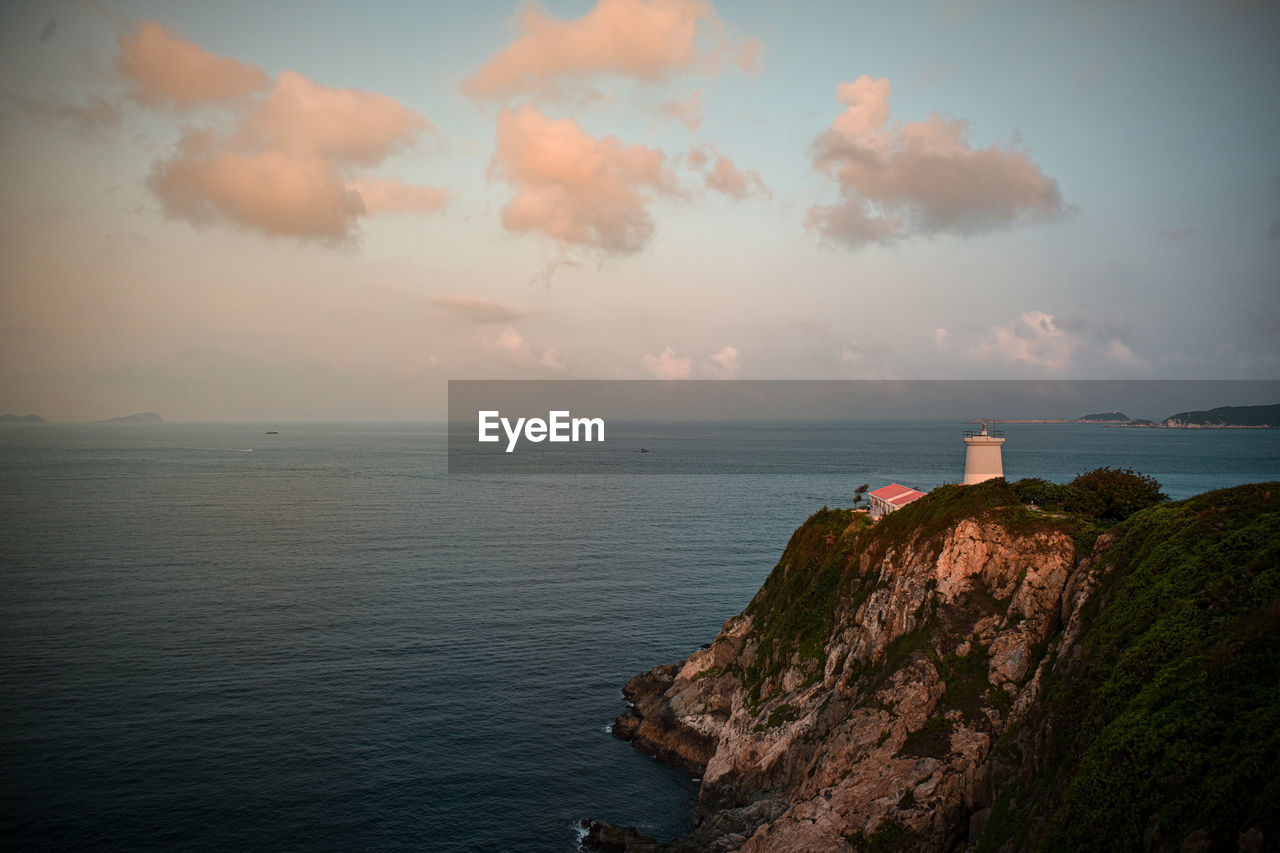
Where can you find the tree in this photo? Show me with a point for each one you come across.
(860, 493)
(1113, 494)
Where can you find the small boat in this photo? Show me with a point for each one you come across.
(273, 432)
(644, 450)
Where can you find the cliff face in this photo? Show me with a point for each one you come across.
(930, 682)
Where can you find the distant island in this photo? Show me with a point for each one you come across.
(1226, 417)
(20, 419)
(1223, 417)
(139, 418)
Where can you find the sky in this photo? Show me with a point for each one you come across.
(312, 210)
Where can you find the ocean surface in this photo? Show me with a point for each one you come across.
(212, 638)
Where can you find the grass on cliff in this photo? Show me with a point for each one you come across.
(818, 577)
(1169, 723)
(795, 609)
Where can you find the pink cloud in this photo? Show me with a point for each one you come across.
(1037, 340)
(168, 71)
(271, 191)
(650, 40)
(722, 175)
(920, 177)
(286, 166)
(688, 112)
(391, 195)
(510, 346)
(343, 125)
(475, 310)
(668, 365)
(577, 189)
(725, 364)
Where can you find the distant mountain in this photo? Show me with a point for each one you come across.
(140, 418)
(1227, 416)
(21, 419)
(1105, 417)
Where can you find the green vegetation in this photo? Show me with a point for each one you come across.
(966, 680)
(818, 577)
(1229, 416)
(779, 715)
(1101, 495)
(1166, 720)
(1110, 494)
(890, 836)
(795, 610)
(932, 740)
(1169, 722)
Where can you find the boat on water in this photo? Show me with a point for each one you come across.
(273, 432)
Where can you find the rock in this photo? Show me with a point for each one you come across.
(1197, 842)
(878, 732)
(977, 823)
(625, 727)
(606, 838)
(1250, 841)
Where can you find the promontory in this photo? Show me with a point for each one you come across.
(1003, 667)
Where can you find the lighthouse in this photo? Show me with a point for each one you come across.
(982, 456)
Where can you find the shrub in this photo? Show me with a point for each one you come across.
(1114, 495)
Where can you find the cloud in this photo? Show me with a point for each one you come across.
(667, 365)
(1176, 234)
(474, 310)
(382, 195)
(688, 112)
(271, 191)
(1118, 351)
(168, 71)
(577, 189)
(512, 348)
(724, 363)
(721, 175)
(342, 125)
(919, 178)
(649, 40)
(1037, 340)
(286, 163)
(97, 113)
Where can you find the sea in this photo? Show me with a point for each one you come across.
(212, 638)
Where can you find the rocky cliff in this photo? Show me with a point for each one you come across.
(973, 671)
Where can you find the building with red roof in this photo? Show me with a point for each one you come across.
(891, 497)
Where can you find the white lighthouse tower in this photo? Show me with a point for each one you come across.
(982, 456)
